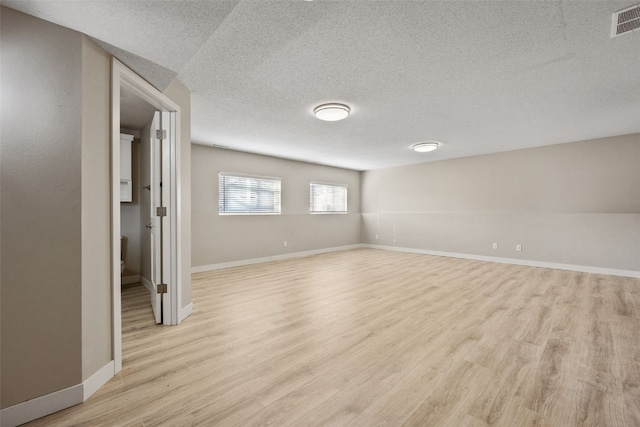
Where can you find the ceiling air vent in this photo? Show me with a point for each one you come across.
(625, 21)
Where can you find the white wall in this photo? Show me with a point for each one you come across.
(220, 239)
(576, 203)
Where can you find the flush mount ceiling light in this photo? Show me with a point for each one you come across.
(425, 147)
(332, 112)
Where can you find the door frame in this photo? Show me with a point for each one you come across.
(122, 75)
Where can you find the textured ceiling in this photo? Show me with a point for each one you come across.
(157, 75)
(480, 77)
(135, 112)
(167, 33)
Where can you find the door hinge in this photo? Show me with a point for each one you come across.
(161, 134)
(162, 288)
(161, 211)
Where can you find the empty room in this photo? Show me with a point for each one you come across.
(319, 213)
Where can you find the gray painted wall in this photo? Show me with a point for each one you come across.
(219, 239)
(56, 319)
(40, 190)
(96, 208)
(55, 207)
(576, 203)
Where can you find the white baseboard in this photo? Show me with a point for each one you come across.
(127, 280)
(211, 267)
(543, 264)
(56, 401)
(97, 380)
(41, 406)
(185, 312)
(147, 284)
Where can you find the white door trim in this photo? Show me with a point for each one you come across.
(122, 75)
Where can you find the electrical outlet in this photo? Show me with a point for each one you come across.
(518, 247)
(495, 246)
(285, 243)
(377, 237)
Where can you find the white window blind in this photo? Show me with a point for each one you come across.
(246, 194)
(328, 198)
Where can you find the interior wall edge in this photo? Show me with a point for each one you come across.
(95, 208)
(179, 94)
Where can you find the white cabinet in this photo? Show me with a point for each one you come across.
(126, 182)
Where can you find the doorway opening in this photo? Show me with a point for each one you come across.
(163, 208)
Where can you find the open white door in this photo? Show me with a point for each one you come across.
(167, 259)
(161, 236)
(155, 224)
(167, 230)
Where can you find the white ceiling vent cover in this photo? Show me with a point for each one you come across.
(625, 21)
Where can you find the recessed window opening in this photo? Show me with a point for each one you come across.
(328, 198)
(241, 194)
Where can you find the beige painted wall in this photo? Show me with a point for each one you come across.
(181, 96)
(576, 203)
(41, 229)
(219, 239)
(96, 211)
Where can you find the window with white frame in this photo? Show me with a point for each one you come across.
(247, 194)
(328, 198)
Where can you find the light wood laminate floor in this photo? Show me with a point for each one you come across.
(369, 337)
